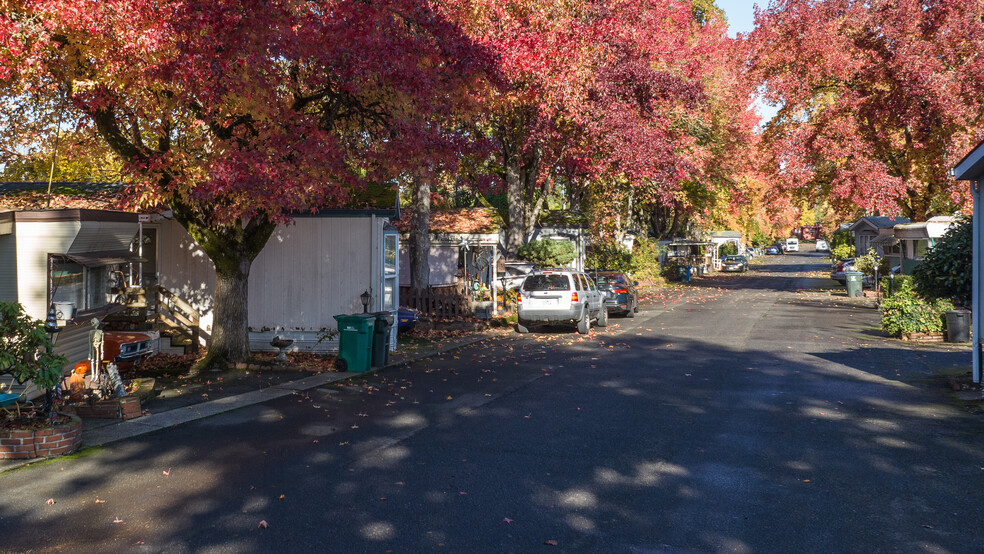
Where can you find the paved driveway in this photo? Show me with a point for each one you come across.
(745, 413)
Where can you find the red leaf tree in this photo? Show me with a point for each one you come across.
(236, 113)
(879, 99)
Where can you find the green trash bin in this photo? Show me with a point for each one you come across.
(354, 341)
(853, 282)
(381, 338)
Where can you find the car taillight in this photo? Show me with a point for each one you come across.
(573, 297)
(519, 296)
(622, 291)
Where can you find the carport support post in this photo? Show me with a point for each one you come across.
(975, 190)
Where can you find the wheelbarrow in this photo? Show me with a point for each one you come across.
(7, 400)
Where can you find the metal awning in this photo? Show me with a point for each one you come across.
(100, 259)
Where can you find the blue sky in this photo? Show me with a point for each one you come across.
(741, 19)
(740, 15)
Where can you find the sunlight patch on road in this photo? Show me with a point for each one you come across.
(894, 442)
(581, 523)
(409, 419)
(823, 413)
(378, 531)
(577, 498)
(646, 474)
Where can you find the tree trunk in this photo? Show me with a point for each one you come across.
(420, 235)
(232, 248)
(514, 197)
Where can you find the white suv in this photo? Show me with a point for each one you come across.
(560, 297)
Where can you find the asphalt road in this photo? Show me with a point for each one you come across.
(744, 413)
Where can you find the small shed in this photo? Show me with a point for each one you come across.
(971, 168)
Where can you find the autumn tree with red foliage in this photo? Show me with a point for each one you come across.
(235, 113)
(879, 99)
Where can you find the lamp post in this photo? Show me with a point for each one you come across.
(51, 323)
(364, 297)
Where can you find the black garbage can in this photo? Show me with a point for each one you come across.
(958, 326)
(380, 338)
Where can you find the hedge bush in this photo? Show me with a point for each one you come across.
(547, 252)
(907, 312)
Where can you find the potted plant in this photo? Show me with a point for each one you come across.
(26, 353)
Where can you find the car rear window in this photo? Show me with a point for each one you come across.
(547, 282)
(609, 279)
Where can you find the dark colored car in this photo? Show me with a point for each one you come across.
(621, 295)
(734, 263)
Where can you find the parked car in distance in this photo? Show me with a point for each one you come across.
(839, 268)
(773, 251)
(750, 253)
(792, 245)
(822, 246)
(560, 297)
(734, 263)
(515, 273)
(621, 296)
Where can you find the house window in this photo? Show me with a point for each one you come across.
(67, 282)
(87, 288)
(921, 246)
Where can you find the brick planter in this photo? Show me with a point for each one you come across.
(923, 337)
(16, 444)
(111, 408)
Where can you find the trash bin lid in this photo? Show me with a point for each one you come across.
(387, 316)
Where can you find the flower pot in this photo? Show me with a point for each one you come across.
(42, 442)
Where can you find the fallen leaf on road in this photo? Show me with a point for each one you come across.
(117, 520)
(263, 525)
(507, 520)
(50, 502)
(550, 542)
(166, 473)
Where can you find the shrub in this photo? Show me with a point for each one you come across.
(871, 261)
(841, 252)
(609, 255)
(947, 270)
(547, 252)
(671, 269)
(907, 312)
(841, 237)
(645, 259)
(25, 349)
(901, 282)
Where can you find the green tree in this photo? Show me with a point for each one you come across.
(946, 271)
(26, 351)
(609, 255)
(548, 252)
